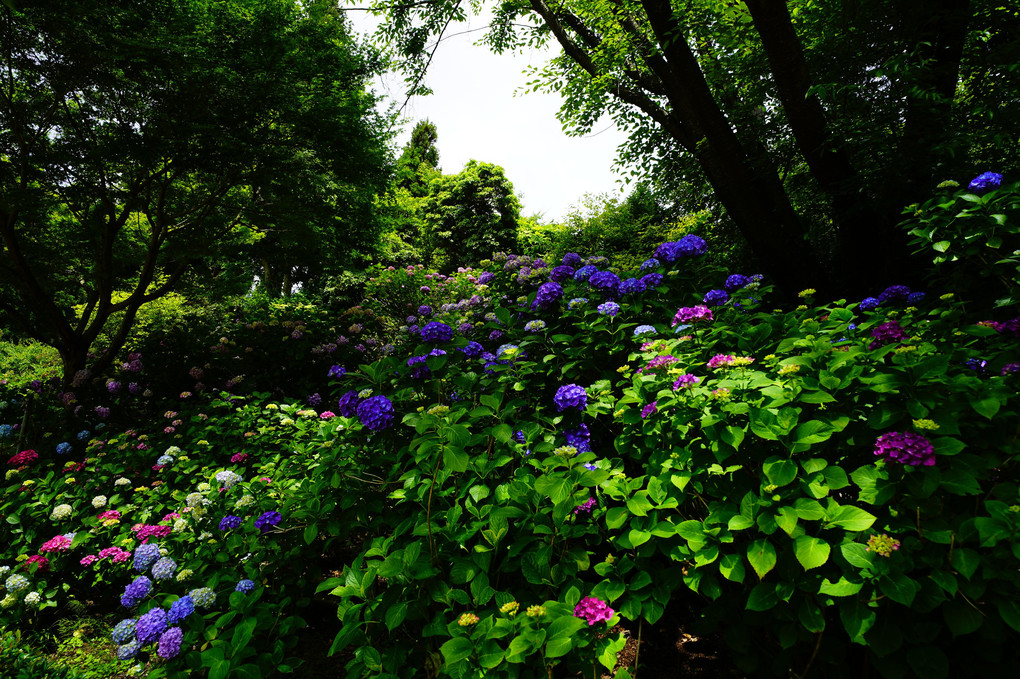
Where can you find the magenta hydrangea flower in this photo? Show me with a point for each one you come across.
(649, 409)
(887, 333)
(693, 314)
(59, 543)
(720, 360)
(586, 507)
(906, 448)
(593, 610)
(687, 381)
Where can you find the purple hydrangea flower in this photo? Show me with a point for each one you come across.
(424, 310)
(230, 522)
(605, 282)
(905, 447)
(986, 181)
(887, 333)
(315, 400)
(715, 297)
(376, 413)
(170, 642)
(915, 298)
(486, 277)
(418, 368)
(572, 259)
(561, 273)
(472, 349)
(685, 381)
(652, 280)
(348, 405)
(586, 507)
(136, 591)
(180, 609)
(651, 263)
(695, 314)
(736, 281)
(436, 332)
(570, 396)
(894, 293)
(1010, 368)
(580, 438)
(868, 303)
(151, 625)
(268, 520)
(145, 556)
(548, 295)
(337, 371)
(244, 586)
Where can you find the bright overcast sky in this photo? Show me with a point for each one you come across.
(478, 116)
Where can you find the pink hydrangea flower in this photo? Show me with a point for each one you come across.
(89, 560)
(59, 543)
(593, 610)
(720, 360)
(23, 458)
(239, 457)
(327, 415)
(116, 554)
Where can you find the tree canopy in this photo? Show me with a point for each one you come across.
(811, 124)
(142, 142)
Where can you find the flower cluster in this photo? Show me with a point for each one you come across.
(376, 413)
(685, 381)
(548, 295)
(58, 543)
(905, 447)
(570, 396)
(267, 521)
(693, 314)
(986, 181)
(436, 332)
(136, 591)
(586, 507)
(23, 458)
(887, 333)
(593, 610)
(883, 545)
(609, 308)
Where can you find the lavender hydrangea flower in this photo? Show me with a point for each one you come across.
(894, 293)
(651, 263)
(170, 643)
(695, 314)
(348, 404)
(609, 308)
(151, 625)
(424, 310)
(230, 522)
(644, 330)
(244, 586)
(572, 259)
(632, 286)
(339, 371)
(145, 556)
(905, 447)
(652, 280)
(164, 568)
(180, 609)
(570, 396)
(736, 281)
(472, 349)
(580, 438)
(586, 507)
(585, 272)
(136, 591)
(561, 273)
(268, 520)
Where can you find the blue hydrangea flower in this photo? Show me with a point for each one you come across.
(868, 303)
(164, 460)
(715, 297)
(472, 349)
(203, 597)
(418, 368)
(736, 281)
(244, 586)
(577, 302)
(632, 286)
(6, 430)
(124, 631)
(915, 298)
(339, 371)
(164, 568)
(145, 556)
(170, 643)
(129, 650)
(230, 522)
(180, 609)
(62, 448)
(424, 310)
(548, 296)
(986, 181)
(376, 413)
(691, 246)
(580, 438)
(436, 332)
(609, 308)
(652, 280)
(150, 625)
(83, 435)
(651, 263)
(570, 396)
(534, 326)
(644, 330)
(585, 272)
(894, 293)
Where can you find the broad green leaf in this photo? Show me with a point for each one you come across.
(786, 518)
(857, 618)
(929, 662)
(899, 588)
(457, 649)
(731, 567)
(455, 459)
(841, 587)
(811, 552)
(851, 518)
(762, 557)
(762, 597)
(779, 471)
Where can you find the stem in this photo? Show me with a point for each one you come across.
(428, 509)
(637, 652)
(814, 654)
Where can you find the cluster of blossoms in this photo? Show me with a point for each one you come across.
(228, 479)
(534, 326)
(720, 360)
(59, 543)
(375, 413)
(586, 507)
(887, 333)
(593, 610)
(579, 438)
(986, 181)
(649, 409)
(609, 308)
(230, 522)
(436, 332)
(894, 294)
(144, 531)
(467, 619)
(716, 298)
(267, 520)
(548, 295)
(136, 591)
(658, 363)
(23, 458)
(906, 448)
(883, 545)
(685, 381)
(695, 314)
(688, 246)
(570, 396)
(61, 512)
(644, 330)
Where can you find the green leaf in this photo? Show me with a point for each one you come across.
(928, 662)
(961, 617)
(811, 617)
(503, 433)
(1010, 612)
(851, 518)
(965, 561)
(985, 405)
(841, 587)
(762, 557)
(762, 597)
(739, 522)
(395, 615)
(242, 635)
(554, 486)
(615, 517)
(856, 554)
(786, 518)
(220, 669)
(857, 618)
(456, 649)
(899, 588)
(808, 509)
(731, 567)
(733, 436)
(811, 552)
(455, 459)
(779, 471)
(311, 531)
(558, 647)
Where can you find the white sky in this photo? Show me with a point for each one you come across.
(478, 117)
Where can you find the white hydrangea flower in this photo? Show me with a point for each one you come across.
(122, 482)
(61, 512)
(99, 501)
(33, 599)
